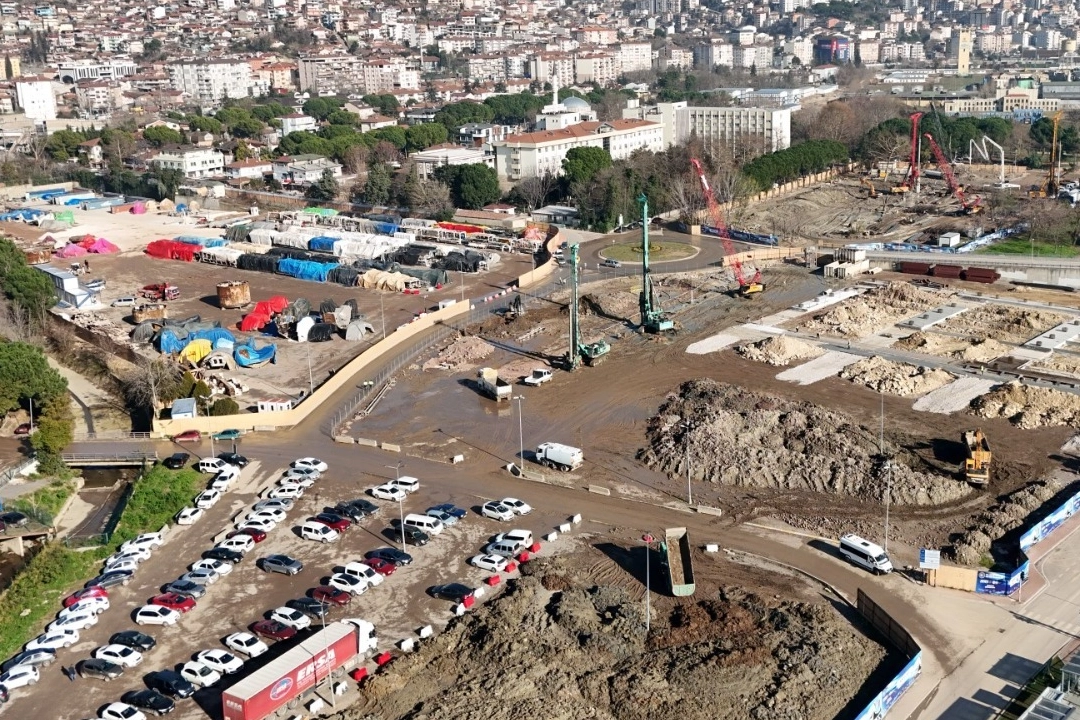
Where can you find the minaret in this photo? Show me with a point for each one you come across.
(554, 86)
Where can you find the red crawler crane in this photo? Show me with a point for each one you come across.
(716, 216)
(970, 207)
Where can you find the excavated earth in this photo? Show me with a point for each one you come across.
(1028, 407)
(779, 350)
(895, 378)
(873, 311)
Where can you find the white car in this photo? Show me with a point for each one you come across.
(303, 481)
(519, 507)
(146, 541)
(387, 492)
(198, 674)
(136, 554)
(96, 605)
(301, 474)
(246, 643)
(491, 563)
(207, 499)
(497, 511)
(274, 504)
(290, 491)
(318, 532)
(224, 662)
(53, 640)
(264, 524)
(122, 655)
(268, 513)
(348, 583)
(310, 462)
(406, 482)
(156, 615)
(222, 481)
(76, 621)
(189, 516)
(239, 543)
(121, 711)
(292, 618)
(119, 565)
(219, 566)
(203, 576)
(20, 676)
(523, 538)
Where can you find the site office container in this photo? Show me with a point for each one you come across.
(287, 679)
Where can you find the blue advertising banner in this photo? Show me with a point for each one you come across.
(992, 583)
(1050, 523)
(884, 701)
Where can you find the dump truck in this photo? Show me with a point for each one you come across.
(977, 462)
(494, 386)
(680, 565)
(538, 377)
(559, 457)
(160, 292)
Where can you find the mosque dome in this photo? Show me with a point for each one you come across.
(575, 103)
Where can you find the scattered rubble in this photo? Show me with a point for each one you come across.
(873, 310)
(1059, 363)
(779, 350)
(1003, 323)
(976, 543)
(1028, 407)
(461, 353)
(748, 439)
(969, 349)
(102, 325)
(895, 378)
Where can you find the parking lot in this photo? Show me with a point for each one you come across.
(398, 607)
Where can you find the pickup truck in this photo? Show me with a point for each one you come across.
(539, 377)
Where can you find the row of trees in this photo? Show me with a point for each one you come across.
(805, 158)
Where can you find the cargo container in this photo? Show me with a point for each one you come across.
(679, 561)
(285, 681)
(946, 271)
(914, 268)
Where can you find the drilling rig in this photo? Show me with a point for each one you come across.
(1049, 187)
(911, 180)
(593, 352)
(653, 319)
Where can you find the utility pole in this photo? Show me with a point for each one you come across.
(647, 539)
(401, 512)
(521, 436)
(689, 490)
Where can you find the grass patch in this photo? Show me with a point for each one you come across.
(159, 494)
(1048, 676)
(44, 502)
(658, 251)
(1023, 246)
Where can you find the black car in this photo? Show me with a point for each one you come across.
(453, 591)
(366, 505)
(330, 518)
(14, 519)
(390, 555)
(41, 656)
(134, 640)
(281, 564)
(176, 461)
(170, 682)
(413, 536)
(223, 554)
(149, 700)
(234, 459)
(185, 587)
(353, 512)
(111, 579)
(98, 668)
(450, 509)
(309, 606)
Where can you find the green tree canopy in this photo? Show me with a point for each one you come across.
(26, 374)
(418, 137)
(582, 163)
(454, 115)
(64, 144)
(471, 186)
(803, 158)
(320, 108)
(160, 135)
(386, 104)
(269, 111)
(29, 289)
(376, 189)
(203, 123)
(325, 188)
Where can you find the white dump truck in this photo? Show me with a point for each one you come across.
(494, 386)
(559, 457)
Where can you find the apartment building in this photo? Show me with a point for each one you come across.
(331, 73)
(486, 67)
(192, 162)
(98, 98)
(634, 57)
(211, 81)
(542, 152)
(552, 68)
(74, 71)
(36, 98)
(768, 128)
(598, 66)
(303, 169)
(297, 122)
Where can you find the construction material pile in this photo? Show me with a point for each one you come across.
(976, 544)
(874, 310)
(1059, 364)
(973, 349)
(895, 378)
(461, 353)
(1028, 407)
(553, 648)
(1004, 323)
(749, 439)
(778, 350)
(102, 325)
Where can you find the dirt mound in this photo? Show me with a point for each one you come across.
(895, 378)
(537, 654)
(978, 542)
(1028, 407)
(969, 349)
(873, 310)
(1004, 323)
(615, 303)
(778, 350)
(461, 353)
(1062, 364)
(747, 439)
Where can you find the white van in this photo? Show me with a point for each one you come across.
(364, 572)
(865, 554)
(430, 525)
(312, 530)
(212, 465)
(505, 548)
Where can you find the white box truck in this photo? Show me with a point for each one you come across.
(559, 457)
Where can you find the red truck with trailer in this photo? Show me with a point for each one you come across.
(284, 682)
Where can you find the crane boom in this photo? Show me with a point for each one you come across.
(950, 177)
(716, 216)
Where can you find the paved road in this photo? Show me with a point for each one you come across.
(980, 259)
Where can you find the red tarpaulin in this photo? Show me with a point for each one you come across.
(170, 250)
(254, 321)
(459, 227)
(278, 303)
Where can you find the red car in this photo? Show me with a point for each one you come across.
(273, 629)
(331, 595)
(332, 520)
(188, 436)
(92, 591)
(254, 533)
(174, 601)
(23, 429)
(381, 566)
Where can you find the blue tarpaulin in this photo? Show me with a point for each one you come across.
(168, 343)
(204, 242)
(213, 335)
(322, 243)
(386, 228)
(305, 269)
(247, 355)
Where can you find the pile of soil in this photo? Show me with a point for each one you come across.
(778, 350)
(976, 542)
(1004, 323)
(461, 353)
(613, 303)
(577, 652)
(873, 310)
(1028, 407)
(1063, 364)
(102, 325)
(895, 378)
(748, 439)
(970, 349)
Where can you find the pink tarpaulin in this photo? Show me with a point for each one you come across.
(138, 209)
(70, 251)
(102, 246)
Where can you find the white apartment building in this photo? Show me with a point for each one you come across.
(97, 98)
(72, 72)
(331, 74)
(248, 169)
(715, 54)
(1048, 39)
(993, 43)
(673, 57)
(211, 81)
(542, 152)
(802, 48)
(383, 76)
(35, 97)
(552, 68)
(599, 67)
(297, 122)
(491, 66)
(634, 57)
(427, 161)
(192, 162)
(660, 113)
(303, 169)
(768, 128)
(748, 56)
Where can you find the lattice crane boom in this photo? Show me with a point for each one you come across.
(716, 215)
(950, 177)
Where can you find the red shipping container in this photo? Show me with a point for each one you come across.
(383, 658)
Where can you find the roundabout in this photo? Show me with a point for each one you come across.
(659, 252)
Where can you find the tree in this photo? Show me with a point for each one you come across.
(419, 137)
(320, 108)
(224, 406)
(354, 159)
(55, 431)
(63, 144)
(160, 135)
(430, 198)
(28, 289)
(534, 190)
(25, 374)
(325, 188)
(376, 189)
(202, 123)
(582, 163)
(386, 104)
(152, 384)
(471, 186)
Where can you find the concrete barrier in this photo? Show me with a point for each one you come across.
(551, 537)
(425, 632)
(706, 510)
(576, 519)
(407, 645)
(712, 547)
(457, 459)
(599, 490)
(565, 528)
(390, 448)
(345, 439)
(367, 442)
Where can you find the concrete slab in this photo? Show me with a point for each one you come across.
(828, 298)
(1056, 337)
(727, 338)
(826, 366)
(955, 396)
(933, 317)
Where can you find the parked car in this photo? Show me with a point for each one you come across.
(170, 682)
(287, 491)
(14, 519)
(333, 520)
(137, 554)
(53, 640)
(156, 615)
(387, 492)
(96, 604)
(150, 700)
(382, 567)
(189, 516)
(352, 512)
(230, 434)
(99, 669)
(331, 595)
(234, 459)
(318, 532)
(20, 676)
(455, 592)
(253, 532)
(445, 518)
(189, 588)
(497, 511)
(125, 565)
(364, 504)
(240, 544)
(310, 607)
(225, 554)
(202, 576)
(80, 620)
(268, 513)
(449, 509)
(174, 601)
(147, 541)
(207, 499)
(121, 655)
(134, 639)
(518, 507)
(188, 436)
(273, 629)
(348, 583)
(391, 555)
(291, 617)
(221, 660)
(92, 591)
(406, 482)
(198, 674)
(223, 479)
(310, 462)
(121, 711)
(282, 564)
(246, 643)
(176, 461)
(23, 429)
(521, 538)
(273, 504)
(39, 657)
(124, 301)
(304, 473)
(111, 578)
(411, 535)
(302, 482)
(219, 566)
(491, 563)
(262, 525)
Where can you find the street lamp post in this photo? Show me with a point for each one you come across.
(521, 436)
(401, 512)
(888, 498)
(382, 316)
(647, 539)
(326, 659)
(689, 489)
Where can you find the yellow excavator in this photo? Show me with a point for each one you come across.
(869, 186)
(1049, 185)
(978, 457)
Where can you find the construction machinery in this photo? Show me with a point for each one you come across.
(653, 319)
(969, 207)
(1049, 186)
(716, 216)
(911, 180)
(679, 561)
(977, 462)
(980, 145)
(869, 186)
(591, 353)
